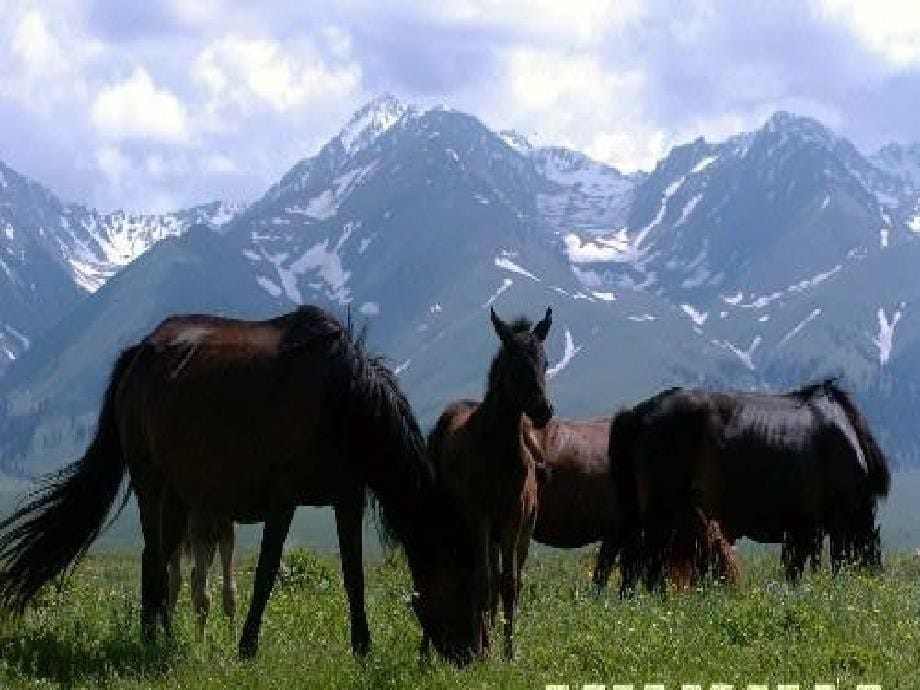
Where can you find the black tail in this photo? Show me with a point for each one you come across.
(876, 462)
(623, 431)
(52, 532)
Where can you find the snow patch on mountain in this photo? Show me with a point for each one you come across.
(815, 313)
(704, 163)
(506, 283)
(318, 258)
(507, 264)
(746, 356)
(269, 287)
(688, 209)
(640, 236)
(568, 355)
(885, 338)
(598, 249)
(698, 317)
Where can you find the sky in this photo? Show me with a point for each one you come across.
(162, 104)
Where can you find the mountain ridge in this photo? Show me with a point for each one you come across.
(771, 257)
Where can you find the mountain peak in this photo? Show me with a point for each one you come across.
(372, 120)
(805, 128)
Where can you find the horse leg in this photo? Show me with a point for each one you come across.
(630, 562)
(514, 554)
(273, 535)
(725, 555)
(175, 579)
(482, 581)
(153, 568)
(226, 545)
(837, 549)
(799, 544)
(348, 517)
(173, 525)
(606, 557)
(509, 589)
(203, 553)
(494, 570)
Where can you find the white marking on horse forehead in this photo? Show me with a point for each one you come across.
(193, 335)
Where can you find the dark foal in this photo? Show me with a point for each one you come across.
(480, 455)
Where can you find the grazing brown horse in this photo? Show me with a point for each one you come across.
(480, 454)
(702, 469)
(578, 504)
(205, 535)
(249, 420)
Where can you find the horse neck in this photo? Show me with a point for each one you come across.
(498, 421)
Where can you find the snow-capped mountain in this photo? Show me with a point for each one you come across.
(777, 255)
(578, 193)
(52, 253)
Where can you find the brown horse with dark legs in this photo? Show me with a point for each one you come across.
(480, 454)
(577, 504)
(249, 420)
(205, 535)
(701, 469)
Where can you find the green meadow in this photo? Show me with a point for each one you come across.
(844, 630)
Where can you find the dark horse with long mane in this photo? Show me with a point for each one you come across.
(247, 420)
(479, 453)
(699, 468)
(578, 504)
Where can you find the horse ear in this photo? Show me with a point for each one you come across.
(501, 328)
(541, 330)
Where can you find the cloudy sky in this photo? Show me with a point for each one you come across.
(164, 103)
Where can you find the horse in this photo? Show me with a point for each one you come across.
(249, 420)
(478, 450)
(702, 469)
(205, 535)
(577, 502)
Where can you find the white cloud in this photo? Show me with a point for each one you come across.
(137, 108)
(891, 28)
(572, 22)
(34, 46)
(239, 70)
(573, 98)
(113, 163)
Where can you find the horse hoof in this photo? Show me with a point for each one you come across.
(248, 649)
(360, 648)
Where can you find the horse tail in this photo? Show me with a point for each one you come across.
(876, 462)
(623, 431)
(64, 516)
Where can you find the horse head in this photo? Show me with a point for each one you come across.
(518, 371)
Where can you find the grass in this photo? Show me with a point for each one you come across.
(849, 629)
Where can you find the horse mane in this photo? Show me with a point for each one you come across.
(813, 389)
(876, 461)
(520, 324)
(365, 391)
